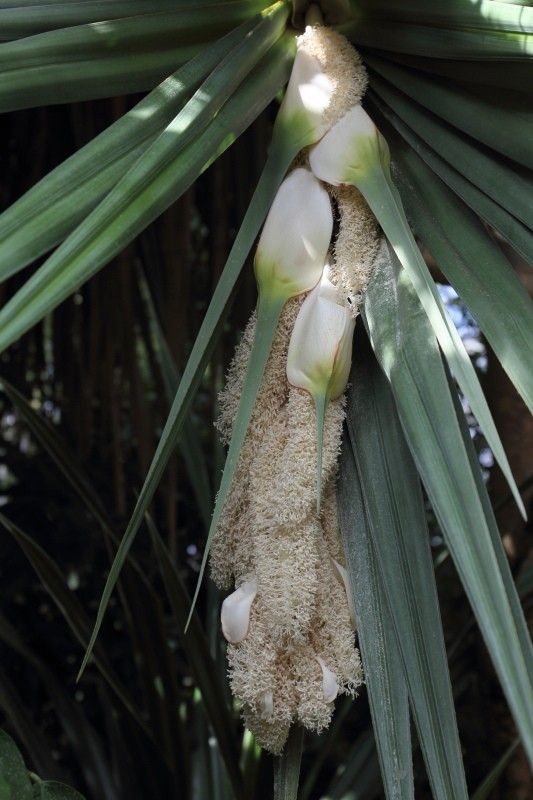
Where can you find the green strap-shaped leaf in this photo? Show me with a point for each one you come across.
(510, 188)
(14, 779)
(52, 208)
(390, 499)
(408, 353)
(266, 80)
(383, 198)
(442, 42)
(514, 231)
(384, 677)
(19, 18)
(287, 766)
(103, 59)
(473, 264)
(156, 180)
(507, 129)
(491, 16)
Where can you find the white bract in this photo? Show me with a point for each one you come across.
(320, 349)
(330, 687)
(295, 238)
(349, 150)
(235, 613)
(308, 95)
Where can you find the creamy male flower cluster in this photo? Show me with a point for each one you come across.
(289, 621)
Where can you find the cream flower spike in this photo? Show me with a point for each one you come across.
(330, 687)
(235, 613)
(350, 150)
(320, 353)
(295, 238)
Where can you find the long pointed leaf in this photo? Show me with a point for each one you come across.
(408, 353)
(387, 689)
(514, 231)
(397, 533)
(473, 264)
(52, 208)
(153, 183)
(277, 164)
(384, 200)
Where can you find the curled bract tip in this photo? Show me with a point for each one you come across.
(235, 612)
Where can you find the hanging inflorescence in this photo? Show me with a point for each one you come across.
(289, 621)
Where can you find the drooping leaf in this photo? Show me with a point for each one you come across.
(70, 607)
(387, 689)
(381, 194)
(507, 184)
(156, 180)
(277, 164)
(473, 264)
(386, 516)
(408, 353)
(52, 208)
(500, 124)
(103, 59)
(514, 231)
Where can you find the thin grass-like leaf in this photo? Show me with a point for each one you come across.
(102, 59)
(52, 208)
(360, 779)
(385, 531)
(378, 188)
(441, 41)
(19, 19)
(52, 790)
(190, 446)
(514, 231)
(408, 353)
(272, 175)
(473, 264)
(495, 176)
(154, 182)
(508, 130)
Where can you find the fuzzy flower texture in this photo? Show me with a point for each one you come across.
(288, 618)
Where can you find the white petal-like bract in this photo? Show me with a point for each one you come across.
(235, 613)
(320, 349)
(296, 236)
(347, 150)
(309, 93)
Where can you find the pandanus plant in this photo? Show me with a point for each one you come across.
(405, 124)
